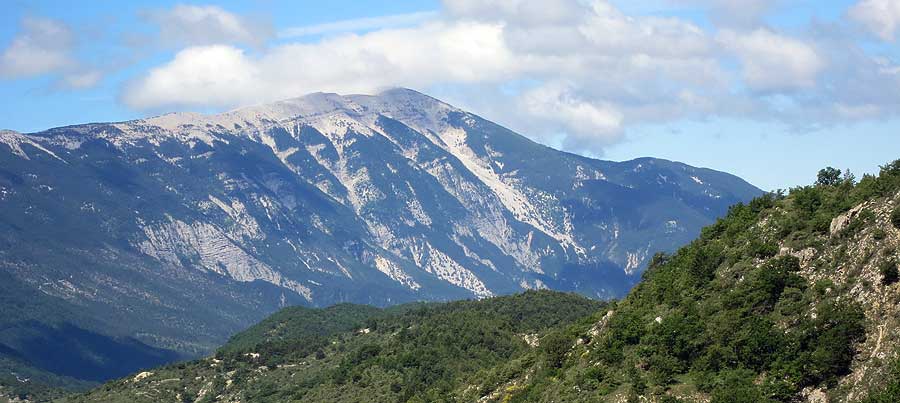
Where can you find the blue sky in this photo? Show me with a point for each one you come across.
(771, 90)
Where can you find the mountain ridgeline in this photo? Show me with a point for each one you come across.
(137, 243)
(791, 297)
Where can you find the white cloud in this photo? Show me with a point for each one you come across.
(188, 25)
(216, 75)
(46, 47)
(773, 62)
(576, 73)
(358, 24)
(81, 79)
(734, 13)
(860, 86)
(624, 68)
(521, 12)
(43, 46)
(880, 17)
(222, 75)
(588, 125)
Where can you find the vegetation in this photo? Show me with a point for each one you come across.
(889, 273)
(297, 327)
(829, 177)
(418, 353)
(727, 316)
(891, 393)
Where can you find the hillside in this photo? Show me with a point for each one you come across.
(787, 298)
(161, 237)
(419, 352)
(791, 297)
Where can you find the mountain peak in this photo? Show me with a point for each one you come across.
(421, 110)
(401, 94)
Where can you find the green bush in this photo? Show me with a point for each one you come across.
(891, 392)
(889, 273)
(737, 387)
(555, 346)
(895, 217)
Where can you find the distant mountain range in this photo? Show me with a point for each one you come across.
(140, 242)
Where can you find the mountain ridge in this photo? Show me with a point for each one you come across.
(199, 226)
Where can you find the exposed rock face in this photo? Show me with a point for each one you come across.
(852, 262)
(840, 223)
(198, 225)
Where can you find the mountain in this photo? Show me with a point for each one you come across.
(787, 298)
(170, 233)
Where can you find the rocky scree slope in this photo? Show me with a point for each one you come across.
(175, 231)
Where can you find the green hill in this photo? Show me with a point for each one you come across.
(419, 352)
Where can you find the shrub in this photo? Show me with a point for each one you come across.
(762, 249)
(895, 217)
(865, 217)
(889, 273)
(891, 392)
(555, 346)
(737, 387)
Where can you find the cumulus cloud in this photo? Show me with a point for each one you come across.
(221, 75)
(880, 17)
(188, 25)
(575, 73)
(589, 125)
(774, 62)
(43, 46)
(215, 75)
(859, 86)
(624, 68)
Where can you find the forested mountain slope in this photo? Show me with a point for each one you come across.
(419, 352)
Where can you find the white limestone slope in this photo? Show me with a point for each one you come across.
(336, 118)
(214, 251)
(15, 141)
(498, 204)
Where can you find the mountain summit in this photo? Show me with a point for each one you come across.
(175, 231)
